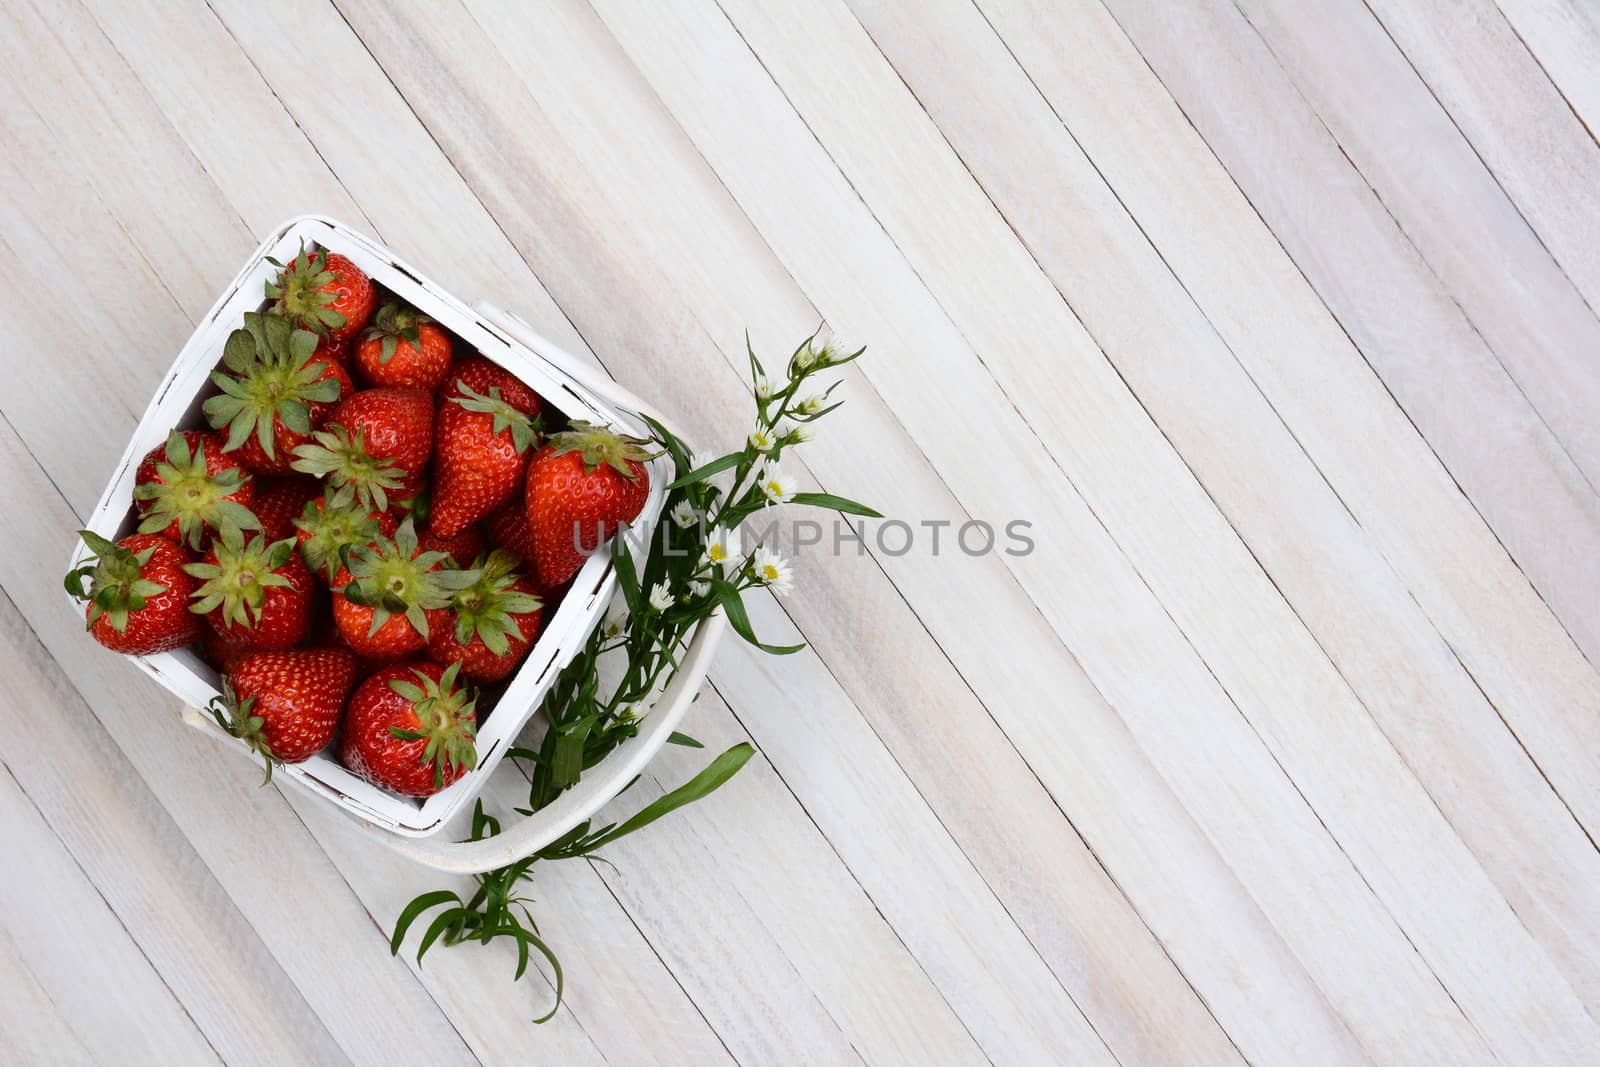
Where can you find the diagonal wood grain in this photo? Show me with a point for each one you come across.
(1332, 573)
(1276, 749)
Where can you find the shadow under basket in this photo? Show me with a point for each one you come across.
(565, 384)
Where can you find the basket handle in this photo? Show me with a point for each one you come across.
(595, 381)
(530, 833)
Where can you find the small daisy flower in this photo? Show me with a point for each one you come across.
(660, 597)
(773, 571)
(616, 620)
(766, 387)
(684, 515)
(698, 589)
(722, 549)
(778, 485)
(762, 441)
(794, 433)
(628, 713)
(811, 404)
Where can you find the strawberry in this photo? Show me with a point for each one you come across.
(138, 594)
(462, 549)
(403, 347)
(188, 488)
(274, 392)
(223, 653)
(328, 528)
(480, 439)
(490, 625)
(377, 442)
(256, 594)
(410, 729)
(508, 528)
(482, 375)
(581, 486)
(333, 350)
(286, 705)
(323, 292)
(279, 501)
(382, 598)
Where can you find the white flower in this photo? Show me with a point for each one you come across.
(628, 713)
(616, 620)
(811, 404)
(778, 485)
(762, 441)
(773, 570)
(795, 433)
(660, 596)
(722, 549)
(684, 515)
(698, 589)
(766, 387)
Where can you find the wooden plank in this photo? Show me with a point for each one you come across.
(1513, 118)
(1471, 236)
(1334, 574)
(55, 1009)
(1157, 514)
(1564, 37)
(31, 1027)
(858, 632)
(1505, 636)
(241, 999)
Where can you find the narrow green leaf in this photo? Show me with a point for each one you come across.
(701, 473)
(675, 738)
(414, 909)
(835, 503)
(716, 773)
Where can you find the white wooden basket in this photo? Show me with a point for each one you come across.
(563, 382)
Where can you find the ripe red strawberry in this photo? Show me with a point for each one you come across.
(403, 347)
(329, 527)
(490, 625)
(462, 549)
(410, 729)
(254, 593)
(280, 501)
(286, 705)
(377, 443)
(223, 653)
(508, 528)
(188, 488)
(480, 442)
(138, 594)
(581, 486)
(482, 375)
(382, 598)
(323, 292)
(334, 350)
(275, 392)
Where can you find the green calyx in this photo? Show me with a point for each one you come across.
(524, 430)
(445, 718)
(116, 582)
(270, 374)
(238, 582)
(196, 499)
(395, 323)
(391, 577)
(334, 526)
(299, 292)
(237, 718)
(601, 446)
(345, 462)
(487, 608)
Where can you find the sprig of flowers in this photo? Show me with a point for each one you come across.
(694, 565)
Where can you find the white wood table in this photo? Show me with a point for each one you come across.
(1276, 320)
